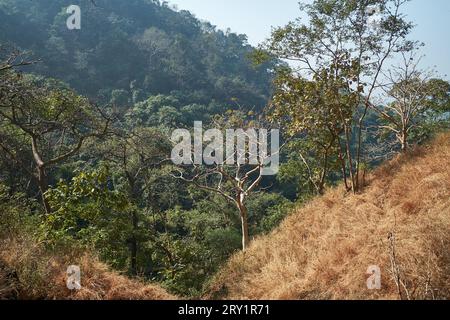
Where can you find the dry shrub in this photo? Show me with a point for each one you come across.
(27, 271)
(323, 250)
(6, 288)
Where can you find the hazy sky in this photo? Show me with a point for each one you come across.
(255, 18)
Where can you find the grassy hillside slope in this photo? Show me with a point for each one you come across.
(401, 222)
(27, 271)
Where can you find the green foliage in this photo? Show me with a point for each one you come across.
(135, 49)
(315, 113)
(15, 214)
(120, 97)
(191, 249)
(266, 211)
(339, 59)
(88, 211)
(274, 216)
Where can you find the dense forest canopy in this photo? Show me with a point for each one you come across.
(126, 51)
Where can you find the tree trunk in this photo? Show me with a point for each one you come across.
(404, 140)
(133, 262)
(323, 176)
(244, 225)
(343, 166)
(135, 223)
(350, 159)
(359, 150)
(43, 187)
(134, 246)
(41, 174)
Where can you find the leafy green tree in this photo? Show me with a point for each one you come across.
(89, 211)
(311, 114)
(54, 121)
(340, 48)
(153, 111)
(135, 156)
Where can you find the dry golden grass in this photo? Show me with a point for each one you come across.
(28, 272)
(323, 250)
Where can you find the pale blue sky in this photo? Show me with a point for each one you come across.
(256, 17)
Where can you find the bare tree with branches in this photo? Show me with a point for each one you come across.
(240, 175)
(412, 94)
(13, 58)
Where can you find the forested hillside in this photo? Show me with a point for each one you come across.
(99, 137)
(129, 50)
(94, 120)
